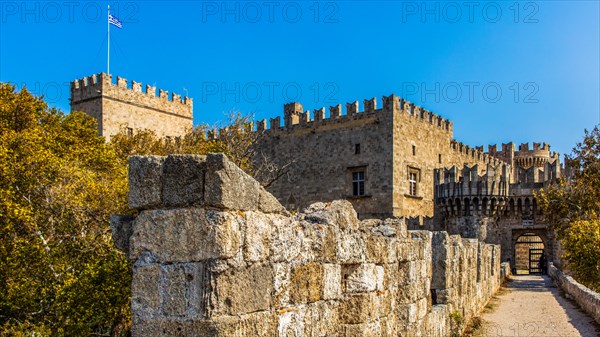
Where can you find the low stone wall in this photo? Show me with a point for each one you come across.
(587, 299)
(216, 255)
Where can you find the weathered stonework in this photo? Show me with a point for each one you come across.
(206, 264)
(490, 208)
(387, 143)
(587, 299)
(117, 106)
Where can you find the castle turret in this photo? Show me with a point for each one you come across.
(120, 106)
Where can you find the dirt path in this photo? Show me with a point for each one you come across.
(532, 306)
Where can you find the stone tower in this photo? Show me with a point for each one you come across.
(119, 106)
(529, 165)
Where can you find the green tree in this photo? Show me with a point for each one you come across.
(59, 182)
(572, 206)
(60, 273)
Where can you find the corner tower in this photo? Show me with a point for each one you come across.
(120, 106)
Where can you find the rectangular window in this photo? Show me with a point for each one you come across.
(356, 148)
(358, 183)
(129, 132)
(412, 181)
(414, 148)
(440, 158)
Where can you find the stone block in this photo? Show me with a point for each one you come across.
(399, 225)
(332, 279)
(359, 278)
(174, 291)
(241, 291)
(158, 327)
(227, 186)
(390, 274)
(267, 203)
(357, 308)
(381, 249)
(257, 237)
(291, 322)
(318, 242)
(407, 250)
(337, 213)
(408, 272)
(286, 239)
(387, 303)
(121, 227)
(312, 320)
(185, 235)
(321, 319)
(344, 214)
(262, 323)
(422, 308)
(351, 248)
(370, 329)
(306, 283)
(145, 295)
(183, 180)
(184, 288)
(408, 293)
(407, 312)
(145, 182)
(379, 278)
(389, 326)
(281, 285)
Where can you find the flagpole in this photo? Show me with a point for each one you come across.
(108, 53)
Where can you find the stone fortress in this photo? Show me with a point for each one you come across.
(122, 106)
(398, 229)
(401, 160)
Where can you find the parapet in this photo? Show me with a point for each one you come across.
(538, 148)
(294, 115)
(537, 156)
(468, 182)
(101, 85)
(476, 154)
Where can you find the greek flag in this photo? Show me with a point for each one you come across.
(114, 21)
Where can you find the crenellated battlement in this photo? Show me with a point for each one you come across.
(296, 117)
(466, 192)
(476, 153)
(454, 182)
(101, 85)
(130, 104)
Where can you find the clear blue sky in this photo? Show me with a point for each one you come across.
(501, 71)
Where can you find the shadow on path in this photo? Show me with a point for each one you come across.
(534, 306)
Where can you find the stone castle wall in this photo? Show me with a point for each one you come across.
(490, 209)
(216, 255)
(394, 140)
(117, 106)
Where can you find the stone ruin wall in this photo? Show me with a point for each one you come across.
(216, 255)
(120, 105)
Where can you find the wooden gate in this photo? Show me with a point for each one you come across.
(535, 256)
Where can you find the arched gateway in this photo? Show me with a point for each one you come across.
(529, 253)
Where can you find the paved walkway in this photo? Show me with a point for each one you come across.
(531, 305)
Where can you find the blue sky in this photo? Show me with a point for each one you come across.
(501, 71)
